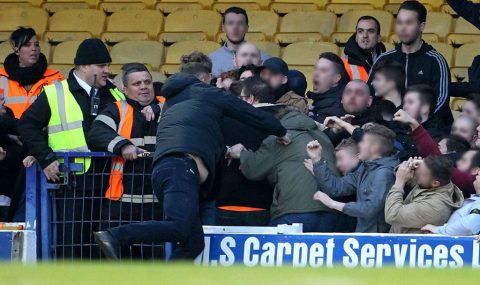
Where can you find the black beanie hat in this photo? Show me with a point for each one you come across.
(92, 51)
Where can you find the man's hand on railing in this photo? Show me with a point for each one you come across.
(29, 161)
(131, 152)
(52, 172)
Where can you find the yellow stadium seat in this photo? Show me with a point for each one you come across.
(295, 26)
(272, 49)
(341, 9)
(76, 24)
(112, 7)
(133, 25)
(191, 25)
(146, 52)
(262, 3)
(222, 37)
(465, 54)
(439, 24)
(456, 105)
(375, 3)
(12, 18)
(306, 53)
(459, 74)
(158, 77)
(6, 49)
(289, 6)
(53, 6)
(247, 6)
(5, 5)
(63, 68)
(348, 21)
(64, 53)
(169, 7)
(429, 38)
(263, 21)
(177, 50)
(463, 33)
(446, 50)
(447, 10)
(21, 3)
(393, 7)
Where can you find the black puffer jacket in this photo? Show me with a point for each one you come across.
(357, 56)
(326, 104)
(192, 119)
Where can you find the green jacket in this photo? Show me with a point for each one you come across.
(283, 166)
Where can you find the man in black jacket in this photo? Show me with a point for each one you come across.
(363, 47)
(423, 64)
(329, 80)
(189, 145)
(242, 202)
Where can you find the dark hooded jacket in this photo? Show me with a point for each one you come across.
(357, 56)
(192, 117)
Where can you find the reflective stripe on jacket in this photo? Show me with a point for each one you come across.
(355, 71)
(17, 98)
(65, 128)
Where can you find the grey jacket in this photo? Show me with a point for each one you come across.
(370, 182)
(464, 221)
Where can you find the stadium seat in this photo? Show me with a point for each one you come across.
(456, 105)
(247, 6)
(63, 68)
(191, 25)
(375, 3)
(459, 74)
(64, 53)
(294, 27)
(76, 24)
(447, 10)
(222, 37)
(133, 25)
(12, 18)
(53, 6)
(263, 21)
(439, 24)
(306, 53)
(111, 6)
(393, 6)
(463, 33)
(269, 47)
(289, 6)
(465, 54)
(170, 7)
(177, 50)
(262, 3)
(446, 50)
(348, 21)
(146, 52)
(21, 3)
(341, 9)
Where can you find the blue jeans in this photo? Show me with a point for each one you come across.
(175, 181)
(319, 222)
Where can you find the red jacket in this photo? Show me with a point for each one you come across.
(426, 146)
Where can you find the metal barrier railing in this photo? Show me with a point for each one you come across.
(66, 214)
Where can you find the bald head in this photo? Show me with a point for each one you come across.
(356, 97)
(465, 127)
(247, 53)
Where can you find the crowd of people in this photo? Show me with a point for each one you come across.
(238, 140)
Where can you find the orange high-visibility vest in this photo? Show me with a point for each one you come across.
(161, 99)
(115, 189)
(17, 98)
(355, 71)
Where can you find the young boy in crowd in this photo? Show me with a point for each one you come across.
(347, 156)
(370, 182)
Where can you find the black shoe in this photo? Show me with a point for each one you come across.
(108, 244)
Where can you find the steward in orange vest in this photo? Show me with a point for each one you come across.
(125, 129)
(358, 62)
(25, 72)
